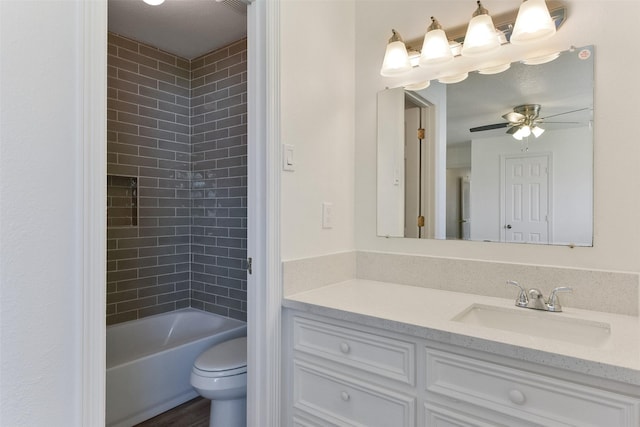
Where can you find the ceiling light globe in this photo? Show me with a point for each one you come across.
(153, 2)
(537, 131)
(533, 23)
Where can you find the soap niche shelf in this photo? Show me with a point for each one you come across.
(122, 201)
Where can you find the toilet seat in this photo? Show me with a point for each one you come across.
(227, 358)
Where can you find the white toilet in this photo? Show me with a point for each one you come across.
(220, 374)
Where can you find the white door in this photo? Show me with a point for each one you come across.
(526, 199)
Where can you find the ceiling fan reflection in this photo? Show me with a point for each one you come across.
(524, 121)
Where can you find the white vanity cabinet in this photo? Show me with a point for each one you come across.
(346, 374)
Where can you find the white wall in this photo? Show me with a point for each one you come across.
(571, 175)
(616, 151)
(40, 213)
(317, 110)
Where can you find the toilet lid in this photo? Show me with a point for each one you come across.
(224, 356)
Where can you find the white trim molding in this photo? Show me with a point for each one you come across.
(264, 285)
(94, 175)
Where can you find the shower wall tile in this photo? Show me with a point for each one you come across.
(179, 128)
(219, 181)
(146, 271)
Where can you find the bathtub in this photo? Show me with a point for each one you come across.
(149, 361)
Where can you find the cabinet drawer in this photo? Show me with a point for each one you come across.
(345, 401)
(535, 398)
(437, 416)
(387, 357)
(300, 421)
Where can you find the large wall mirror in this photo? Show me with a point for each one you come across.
(506, 157)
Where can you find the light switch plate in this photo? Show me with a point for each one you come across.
(288, 163)
(327, 215)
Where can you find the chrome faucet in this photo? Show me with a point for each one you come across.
(535, 300)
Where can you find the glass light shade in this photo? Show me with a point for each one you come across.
(522, 132)
(533, 23)
(418, 86)
(396, 60)
(537, 131)
(435, 48)
(494, 68)
(453, 79)
(154, 2)
(539, 60)
(481, 36)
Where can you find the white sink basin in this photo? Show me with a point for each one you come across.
(542, 324)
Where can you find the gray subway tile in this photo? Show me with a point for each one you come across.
(158, 54)
(156, 309)
(156, 290)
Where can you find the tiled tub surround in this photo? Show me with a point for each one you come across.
(189, 244)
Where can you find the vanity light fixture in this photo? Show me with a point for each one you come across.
(435, 48)
(153, 2)
(533, 23)
(396, 58)
(481, 36)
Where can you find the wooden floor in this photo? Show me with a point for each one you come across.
(194, 413)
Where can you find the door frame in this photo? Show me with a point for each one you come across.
(264, 290)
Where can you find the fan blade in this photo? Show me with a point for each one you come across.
(514, 117)
(513, 130)
(566, 112)
(564, 123)
(489, 127)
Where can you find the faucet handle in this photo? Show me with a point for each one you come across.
(522, 300)
(554, 303)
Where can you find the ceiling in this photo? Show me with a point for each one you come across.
(187, 28)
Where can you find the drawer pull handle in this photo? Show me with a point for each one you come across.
(517, 397)
(345, 396)
(344, 347)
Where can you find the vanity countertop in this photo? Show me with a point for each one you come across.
(428, 313)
